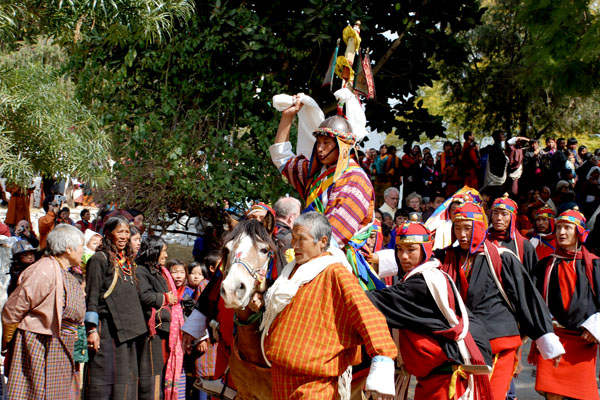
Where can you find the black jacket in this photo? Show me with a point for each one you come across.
(151, 287)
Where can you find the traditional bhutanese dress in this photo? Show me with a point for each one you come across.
(318, 335)
(113, 306)
(521, 313)
(42, 366)
(348, 203)
(428, 343)
(571, 286)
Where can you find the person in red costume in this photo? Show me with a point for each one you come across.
(544, 240)
(504, 233)
(496, 288)
(444, 345)
(569, 281)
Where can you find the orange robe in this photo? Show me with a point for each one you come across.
(318, 335)
(18, 206)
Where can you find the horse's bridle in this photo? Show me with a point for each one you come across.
(259, 275)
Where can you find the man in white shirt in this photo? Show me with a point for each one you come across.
(390, 201)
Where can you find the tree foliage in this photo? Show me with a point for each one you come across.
(532, 69)
(191, 118)
(44, 129)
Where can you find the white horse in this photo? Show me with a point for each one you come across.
(248, 260)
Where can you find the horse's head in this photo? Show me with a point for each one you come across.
(247, 255)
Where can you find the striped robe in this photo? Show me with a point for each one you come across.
(318, 335)
(349, 203)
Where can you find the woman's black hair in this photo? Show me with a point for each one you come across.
(150, 251)
(107, 244)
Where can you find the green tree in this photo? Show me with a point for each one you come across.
(191, 118)
(532, 69)
(44, 129)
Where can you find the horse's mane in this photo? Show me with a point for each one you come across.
(254, 229)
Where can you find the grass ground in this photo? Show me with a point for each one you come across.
(183, 253)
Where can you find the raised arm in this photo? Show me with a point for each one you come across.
(285, 124)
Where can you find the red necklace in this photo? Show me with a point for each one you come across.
(125, 266)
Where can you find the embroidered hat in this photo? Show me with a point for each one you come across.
(576, 218)
(413, 232)
(508, 204)
(547, 212)
(472, 212)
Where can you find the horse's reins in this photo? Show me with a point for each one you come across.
(259, 275)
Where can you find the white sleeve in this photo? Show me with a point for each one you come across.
(549, 346)
(281, 153)
(195, 325)
(592, 325)
(387, 263)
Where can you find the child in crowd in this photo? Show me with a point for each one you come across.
(91, 240)
(23, 255)
(198, 278)
(205, 364)
(179, 273)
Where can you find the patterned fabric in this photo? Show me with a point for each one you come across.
(472, 212)
(42, 365)
(546, 212)
(288, 386)
(576, 218)
(320, 332)
(346, 137)
(414, 232)
(174, 364)
(348, 204)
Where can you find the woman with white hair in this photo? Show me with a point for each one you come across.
(40, 322)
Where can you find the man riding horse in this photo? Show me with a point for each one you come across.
(330, 182)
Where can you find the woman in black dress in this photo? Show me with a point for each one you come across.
(156, 300)
(114, 319)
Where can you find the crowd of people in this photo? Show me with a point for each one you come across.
(484, 249)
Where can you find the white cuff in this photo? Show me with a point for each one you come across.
(195, 325)
(381, 376)
(387, 263)
(281, 153)
(512, 140)
(206, 336)
(592, 325)
(549, 346)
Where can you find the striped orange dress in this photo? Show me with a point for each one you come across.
(318, 335)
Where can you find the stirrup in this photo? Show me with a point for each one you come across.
(215, 388)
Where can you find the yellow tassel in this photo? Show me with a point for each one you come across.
(457, 371)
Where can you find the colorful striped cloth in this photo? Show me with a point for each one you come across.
(348, 204)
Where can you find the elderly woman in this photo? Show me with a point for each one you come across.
(114, 319)
(40, 322)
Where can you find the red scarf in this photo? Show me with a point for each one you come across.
(482, 382)
(497, 237)
(175, 360)
(582, 254)
(451, 266)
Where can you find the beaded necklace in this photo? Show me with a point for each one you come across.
(126, 267)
